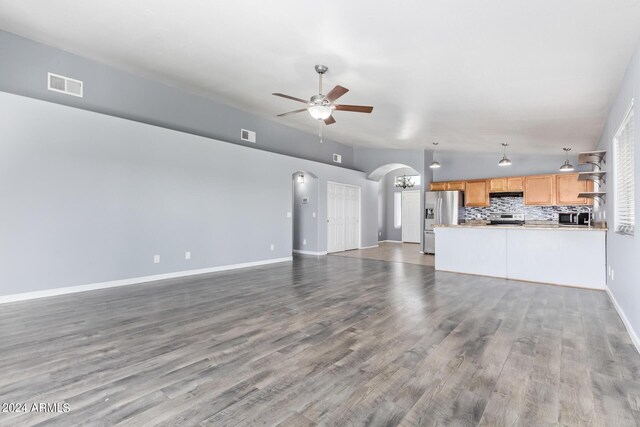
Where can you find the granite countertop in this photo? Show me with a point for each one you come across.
(538, 226)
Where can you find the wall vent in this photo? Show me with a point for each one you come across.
(247, 135)
(57, 83)
(337, 158)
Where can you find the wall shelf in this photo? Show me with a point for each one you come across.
(596, 158)
(601, 195)
(593, 176)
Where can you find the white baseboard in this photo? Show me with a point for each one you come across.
(298, 251)
(132, 281)
(369, 247)
(627, 324)
(390, 241)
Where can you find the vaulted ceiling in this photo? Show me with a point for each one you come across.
(469, 74)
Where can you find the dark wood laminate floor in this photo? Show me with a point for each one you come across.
(324, 340)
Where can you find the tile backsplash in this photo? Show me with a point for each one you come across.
(516, 205)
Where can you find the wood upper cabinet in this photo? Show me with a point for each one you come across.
(568, 187)
(476, 193)
(455, 186)
(497, 185)
(438, 186)
(515, 183)
(539, 190)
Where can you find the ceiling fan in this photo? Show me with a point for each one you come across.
(320, 106)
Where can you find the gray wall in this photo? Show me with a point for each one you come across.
(305, 225)
(25, 64)
(90, 198)
(478, 165)
(623, 252)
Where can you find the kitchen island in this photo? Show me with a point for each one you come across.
(570, 256)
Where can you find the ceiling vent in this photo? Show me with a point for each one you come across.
(57, 83)
(247, 135)
(337, 158)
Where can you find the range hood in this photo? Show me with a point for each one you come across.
(507, 194)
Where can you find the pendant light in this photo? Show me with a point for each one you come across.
(567, 167)
(504, 161)
(434, 164)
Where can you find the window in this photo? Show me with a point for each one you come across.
(397, 209)
(624, 195)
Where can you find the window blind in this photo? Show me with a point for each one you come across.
(624, 197)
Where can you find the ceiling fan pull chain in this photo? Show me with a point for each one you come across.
(320, 130)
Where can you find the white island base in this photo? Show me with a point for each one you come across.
(569, 257)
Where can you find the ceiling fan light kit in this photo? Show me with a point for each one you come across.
(321, 106)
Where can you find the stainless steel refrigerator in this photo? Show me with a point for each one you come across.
(442, 208)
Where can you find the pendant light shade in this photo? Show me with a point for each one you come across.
(434, 164)
(566, 167)
(505, 160)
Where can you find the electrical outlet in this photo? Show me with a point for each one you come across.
(288, 214)
(156, 259)
(273, 247)
(304, 241)
(314, 214)
(379, 233)
(187, 255)
(612, 274)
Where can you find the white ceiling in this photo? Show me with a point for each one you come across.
(539, 74)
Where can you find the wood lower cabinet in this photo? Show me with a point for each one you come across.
(476, 193)
(438, 186)
(568, 187)
(539, 190)
(515, 184)
(455, 186)
(497, 185)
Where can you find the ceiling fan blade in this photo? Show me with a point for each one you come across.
(336, 93)
(290, 97)
(288, 113)
(329, 120)
(354, 108)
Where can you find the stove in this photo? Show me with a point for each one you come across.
(506, 219)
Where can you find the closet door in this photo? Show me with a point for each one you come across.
(351, 217)
(335, 217)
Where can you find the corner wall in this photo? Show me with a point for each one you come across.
(623, 252)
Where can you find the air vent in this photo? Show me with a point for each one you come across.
(57, 83)
(337, 158)
(247, 135)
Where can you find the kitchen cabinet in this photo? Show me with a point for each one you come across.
(476, 193)
(539, 190)
(438, 186)
(497, 185)
(515, 183)
(568, 187)
(455, 186)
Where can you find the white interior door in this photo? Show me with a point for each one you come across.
(411, 216)
(351, 217)
(335, 217)
(343, 217)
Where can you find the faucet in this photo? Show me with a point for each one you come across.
(589, 211)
